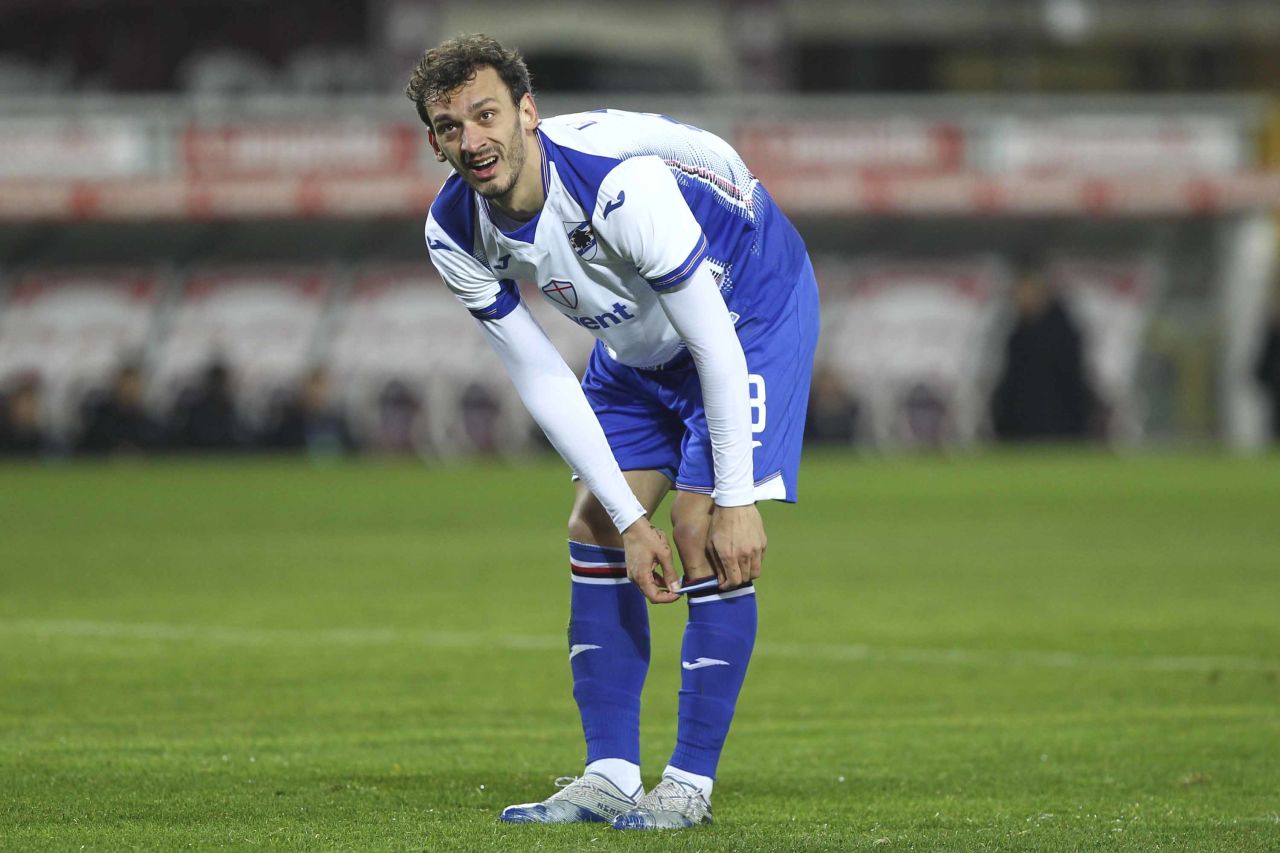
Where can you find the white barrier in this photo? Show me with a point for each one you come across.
(913, 342)
(72, 330)
(264, 325)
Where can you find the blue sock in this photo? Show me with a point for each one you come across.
(718, 640)
(608, 650)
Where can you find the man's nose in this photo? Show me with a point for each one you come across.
(471, 140)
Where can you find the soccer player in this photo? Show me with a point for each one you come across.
(654, 236)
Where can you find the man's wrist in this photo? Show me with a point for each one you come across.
(635, 526)
(738, 497)
(625, 521)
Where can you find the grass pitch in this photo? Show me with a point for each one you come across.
(1002, 652)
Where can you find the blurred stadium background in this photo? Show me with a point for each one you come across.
(1031, 219)
(210, 213)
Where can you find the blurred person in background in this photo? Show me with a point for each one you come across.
(206, 418)
(481, 412)
(1267, 368)
(656, 237)
(23, 431)
(400, 411)
(833, 411)
(925, 415)
(310, 419)
(1043, 393)
(115, 420)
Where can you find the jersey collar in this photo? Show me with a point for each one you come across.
(525, 231)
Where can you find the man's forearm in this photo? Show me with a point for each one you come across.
(699, 314)
(554, 398)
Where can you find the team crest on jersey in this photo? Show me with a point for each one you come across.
(582, 239)
(562, 292)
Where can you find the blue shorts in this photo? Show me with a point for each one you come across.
(654, 419)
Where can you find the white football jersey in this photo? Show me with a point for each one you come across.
(635, 202)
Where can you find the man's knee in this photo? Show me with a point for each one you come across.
(691, 541)
(590, 524)
(690, 524)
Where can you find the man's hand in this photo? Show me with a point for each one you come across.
(646, 548)
(736, 543)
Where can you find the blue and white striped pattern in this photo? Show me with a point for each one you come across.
(714, 594)
(508, 299)
(681, 273)
(596, 564)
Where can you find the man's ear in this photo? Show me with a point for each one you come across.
(435, 146)
(529, 118)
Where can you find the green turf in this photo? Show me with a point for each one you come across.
(1023, 652)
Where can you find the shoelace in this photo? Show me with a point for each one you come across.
(564, 783)
(585, 784)
(677, 795)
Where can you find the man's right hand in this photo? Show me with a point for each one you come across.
(646, 549)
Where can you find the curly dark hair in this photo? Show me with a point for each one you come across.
(443, 70)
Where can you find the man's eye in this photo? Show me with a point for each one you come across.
(487, 115)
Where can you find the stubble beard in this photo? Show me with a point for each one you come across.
(514, 158)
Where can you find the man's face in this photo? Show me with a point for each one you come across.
(481, 133)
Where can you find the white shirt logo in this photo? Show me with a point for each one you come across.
(701, 662)
(578, 648)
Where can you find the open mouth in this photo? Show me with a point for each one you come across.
(484, 168)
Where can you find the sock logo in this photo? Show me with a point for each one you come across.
(701, 662)
(578, 648)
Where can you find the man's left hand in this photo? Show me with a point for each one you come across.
(736, 544)
(646, 548)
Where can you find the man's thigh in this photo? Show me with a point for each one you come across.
(655, 420)
(591, 525)
(635, 409)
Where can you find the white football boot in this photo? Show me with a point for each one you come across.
(672, 804)
(589, 798)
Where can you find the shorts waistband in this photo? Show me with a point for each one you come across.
(682, 359)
